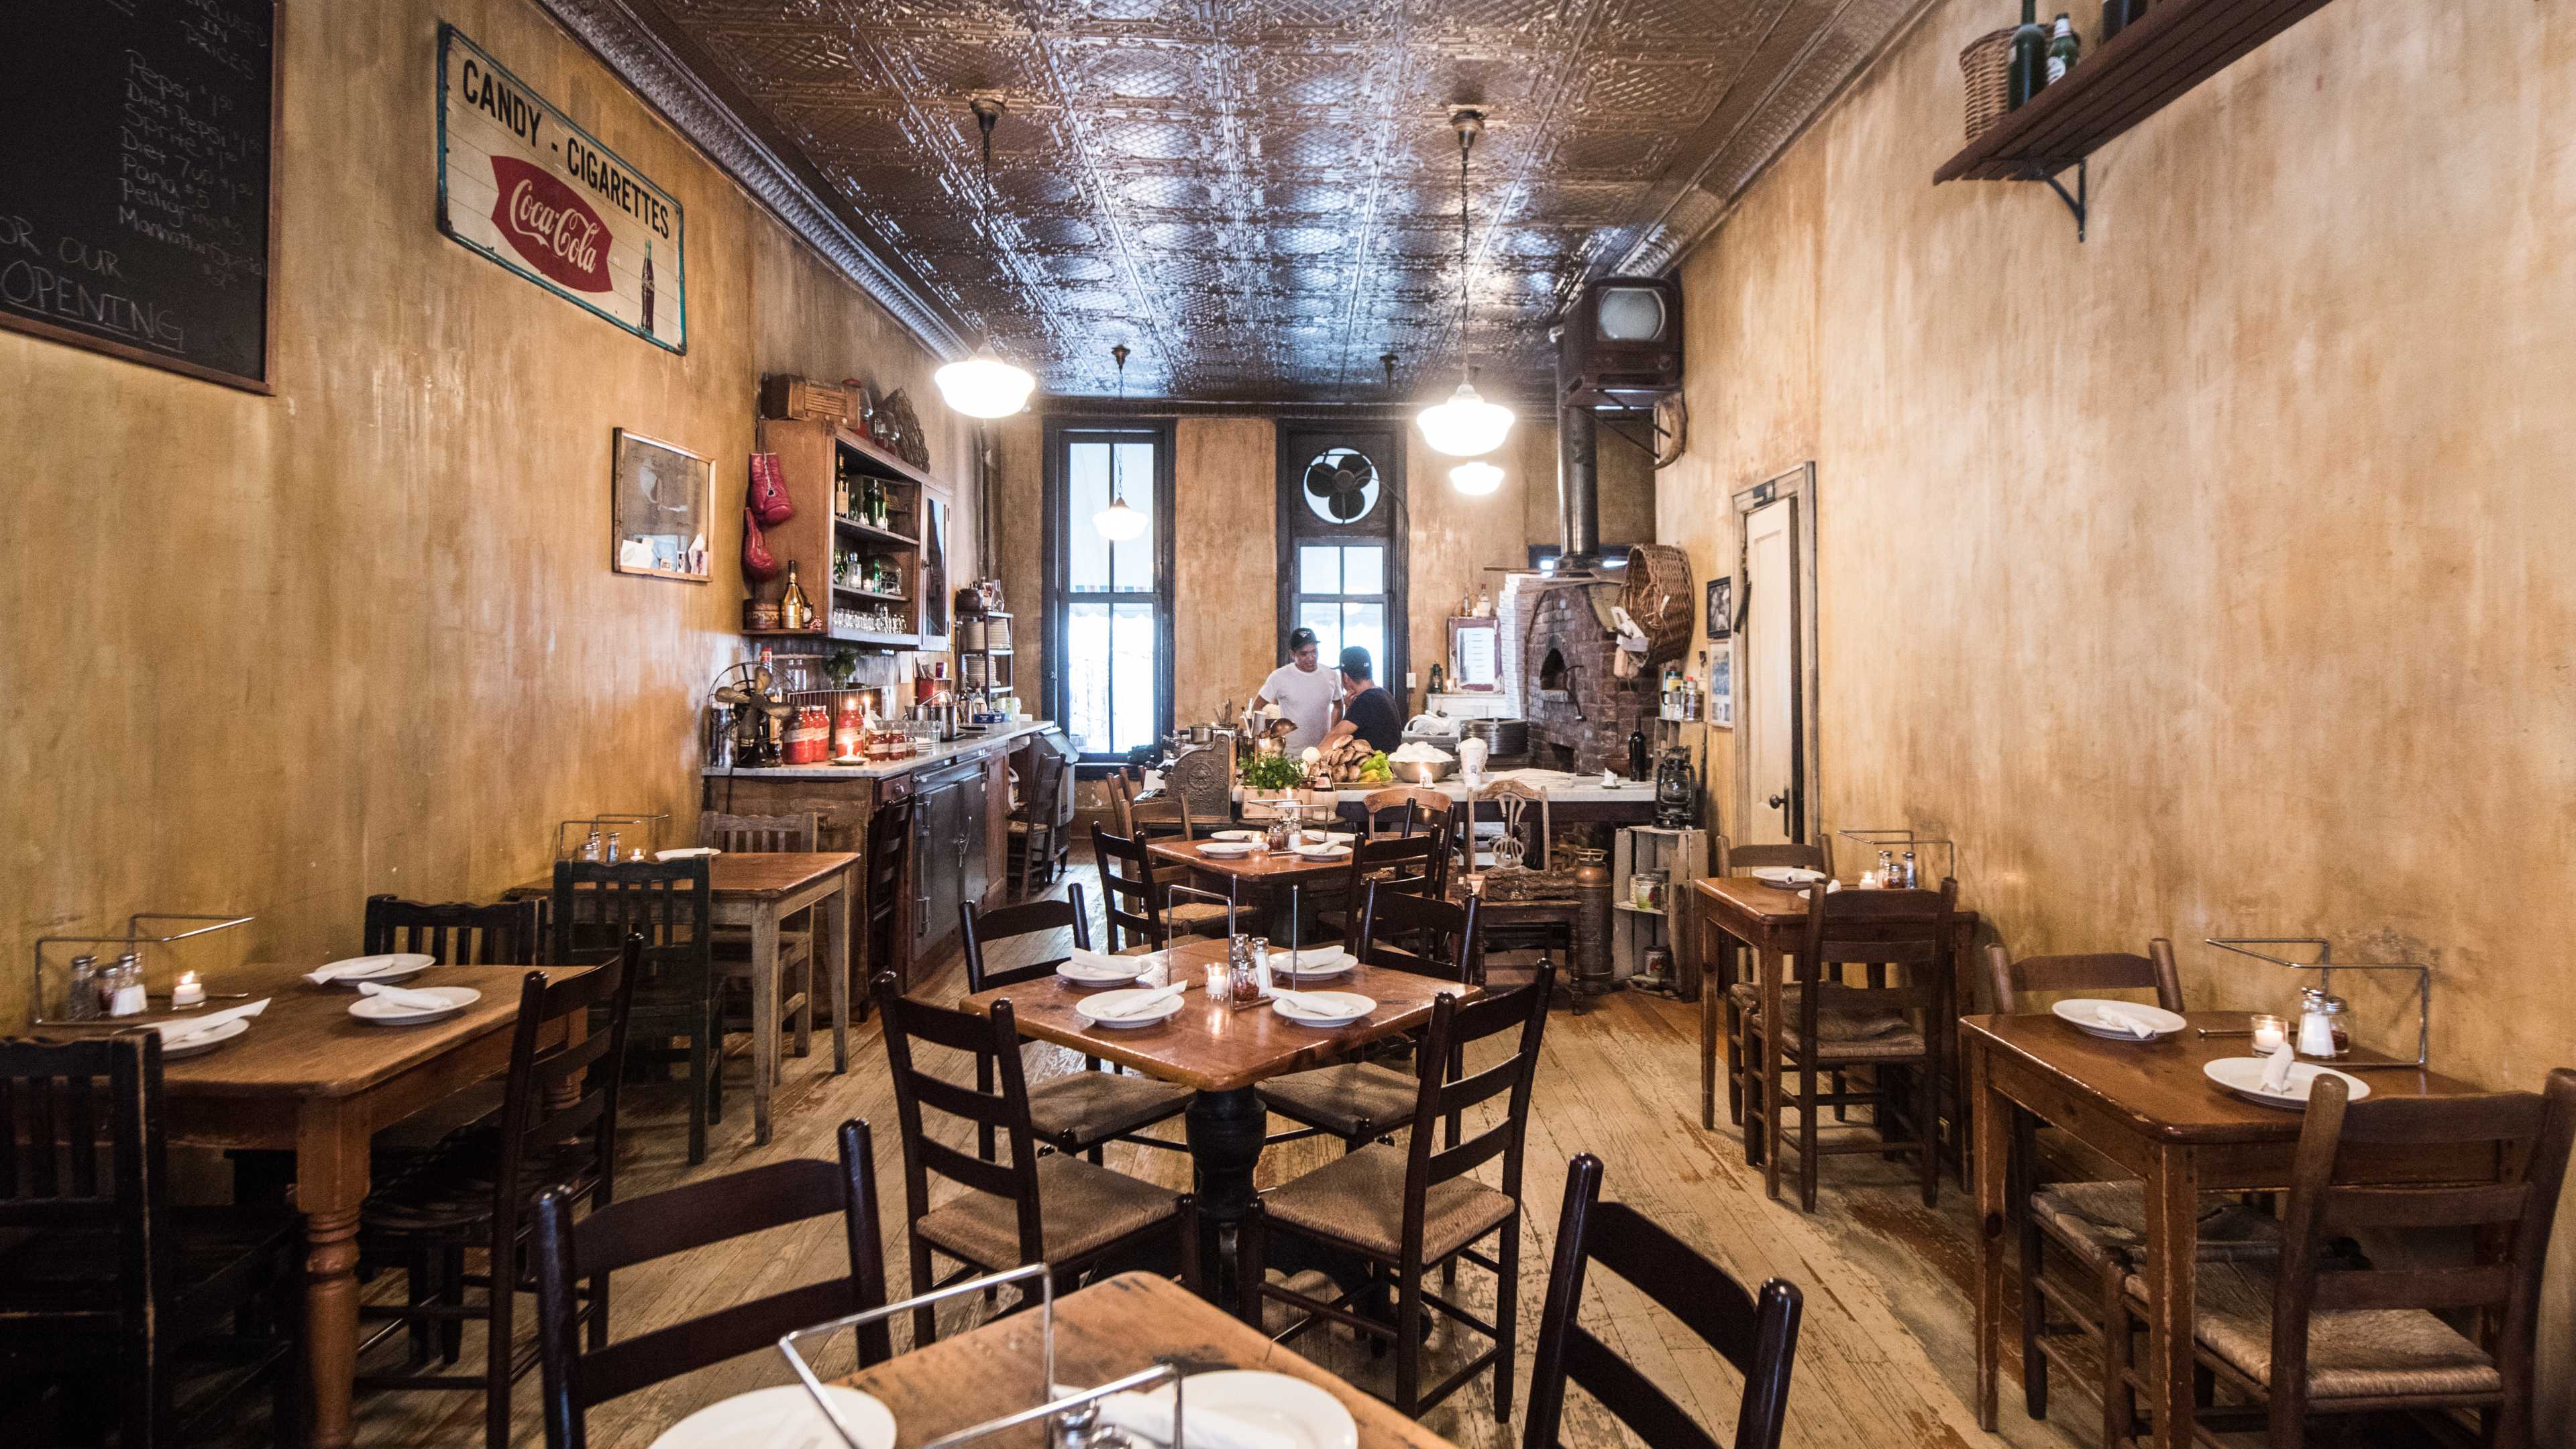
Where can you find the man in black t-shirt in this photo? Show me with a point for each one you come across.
(1367, 711)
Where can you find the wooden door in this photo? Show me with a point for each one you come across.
(1768, 686)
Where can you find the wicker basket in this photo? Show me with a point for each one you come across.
(1987, 64)
(1658, 598)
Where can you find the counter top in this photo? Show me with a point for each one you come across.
(955, 749)
(1559, 786)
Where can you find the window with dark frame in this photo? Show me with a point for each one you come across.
(1341, 543)
(1109, 601)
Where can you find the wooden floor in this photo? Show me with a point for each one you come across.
(1884, 1360)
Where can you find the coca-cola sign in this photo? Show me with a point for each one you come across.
(550, 226)
(521, 184)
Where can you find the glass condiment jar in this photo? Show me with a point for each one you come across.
(2325, 1029)
(1243, 970)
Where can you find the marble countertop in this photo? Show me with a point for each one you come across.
(1558, 785)
(955, 749)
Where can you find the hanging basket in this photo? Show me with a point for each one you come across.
(1658, 599)
(1987, 65)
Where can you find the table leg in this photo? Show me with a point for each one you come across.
(330, 1186)
(1708, 1056)
(1993, 1160)
(834, 921)
(764, 1018)
(1225, 1131)
(2173, 1262)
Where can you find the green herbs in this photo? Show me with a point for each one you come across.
(1273, 772)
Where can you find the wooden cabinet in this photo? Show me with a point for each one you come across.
(815, 454)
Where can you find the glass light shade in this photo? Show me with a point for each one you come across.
(1466, 426)
(1119, 523)
(1475, 477)
(984, 386)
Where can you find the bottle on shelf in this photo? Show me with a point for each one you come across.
(2064, 49)
(795, 611)
(2029, 70)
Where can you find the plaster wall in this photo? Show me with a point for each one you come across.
(2206, 578)
(275, 653)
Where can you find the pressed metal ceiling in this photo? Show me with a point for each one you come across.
(1261, 198)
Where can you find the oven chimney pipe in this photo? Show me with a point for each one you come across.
(1578, 483)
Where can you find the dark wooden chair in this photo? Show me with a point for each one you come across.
(1166, 818)
(1053, 1208)
(1737, 983)
(1080, 1111)
(558, 1134)
(1406, 810)
(1130, 905)
(111, 1291)
(1037, 830)
(1759, 1336)
(798, 833)
(1409, 864)
(683, 1220)
(2300, 1342)
(1406, 1209)
(2098, 1228)
(1362, 1102)
(886, 867)
(596, 905)
(458, 933)
(1891, 1028)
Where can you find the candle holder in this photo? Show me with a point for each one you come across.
(134, 941)
(2326, 966)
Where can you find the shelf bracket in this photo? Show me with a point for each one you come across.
(2076, 202)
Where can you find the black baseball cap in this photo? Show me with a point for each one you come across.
(1300, 638)
(1355, 662)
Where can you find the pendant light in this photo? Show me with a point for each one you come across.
(1479, 477)
(1466, 426)
(984, 386)
(1119, 523)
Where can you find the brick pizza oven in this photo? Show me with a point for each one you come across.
(1580, 712)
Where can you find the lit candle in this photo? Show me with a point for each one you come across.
(188, 991)
(2269, 1033)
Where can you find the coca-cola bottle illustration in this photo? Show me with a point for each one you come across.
(648, 288)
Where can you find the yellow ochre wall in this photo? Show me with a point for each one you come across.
(275, 653)
(2207, 578)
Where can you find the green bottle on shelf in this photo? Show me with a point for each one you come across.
(2063, 49)
(2029, 71)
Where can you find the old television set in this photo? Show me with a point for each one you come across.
(1622, 342)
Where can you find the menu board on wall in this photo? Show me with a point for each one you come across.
(137, 187)
(524, 186)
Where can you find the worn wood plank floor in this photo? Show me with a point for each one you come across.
(1884, 1361)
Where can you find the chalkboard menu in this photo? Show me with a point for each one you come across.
(136, 141)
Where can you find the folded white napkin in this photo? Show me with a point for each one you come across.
(2120, 1018)
(2276, 1072)
(1128, 966)
(686, 852)
(1309, 1003)
(407, 1000)
(1306, 960)
(325, 975)
(1139, 1005)
(173, 1033)
(1149, 1417)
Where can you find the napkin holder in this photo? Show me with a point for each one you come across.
(2326, 966)
(193, 924)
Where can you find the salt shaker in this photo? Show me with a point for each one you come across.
(83, 1003)
(126, 998)
(2322, 1032)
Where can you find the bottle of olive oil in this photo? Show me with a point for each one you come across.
(2029, 70)
(2063, 49)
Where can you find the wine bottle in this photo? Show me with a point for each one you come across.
(2063, 49)
(2029, 58)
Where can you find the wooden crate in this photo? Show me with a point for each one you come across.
(1680, 856)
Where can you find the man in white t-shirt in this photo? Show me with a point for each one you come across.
(1305, 692)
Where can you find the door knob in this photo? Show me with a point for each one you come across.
(1779, 800)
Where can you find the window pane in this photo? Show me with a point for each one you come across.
(1319, 569)
(1132, 677)
(1132, 562)
(1326, 621)
(1086, 677)
(1086, 475)
(1365, 625)
(1363, 571)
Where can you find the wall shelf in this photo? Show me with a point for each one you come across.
(2143, 69)
(871, 594)
(882, 535)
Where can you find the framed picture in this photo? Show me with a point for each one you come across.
(660, 496)
(1721, 608)
(1721, 689)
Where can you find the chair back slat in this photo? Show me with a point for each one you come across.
(760, 834)
(1042, 793)
(64, 1106)
(1130, 904)
(1735, 859)
(567, 1141)
(1759, 1336)
(992, 1045)
(690, 1218)
(457, 933)
(597, 903)
(1908, 929)
(1442, 1052)
(985, 928)
(2357, 1209)
(2088, 971)
(1419, 934)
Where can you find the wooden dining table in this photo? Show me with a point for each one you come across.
(310, 1079)
(1112, 1328)
(1222, 1052)
(1275, 878)
(755, 891)
(2148, 1108)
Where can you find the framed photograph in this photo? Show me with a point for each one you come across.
(660, 498)
(1721, 688)
(1721, 608)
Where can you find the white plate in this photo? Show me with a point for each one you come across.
(1360, 1006)
(2078, 1012)
(1301, 1413)
(384, 970)
(1786, 875)
(205, 1041)
(786, 1416)
(376, 1011)
(1225, 849)
(1234, 835)
(686, 852)
(1094, 1009)
(2244, 1076)
(1322, 852)
(1119, 975)
(1341, 962)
